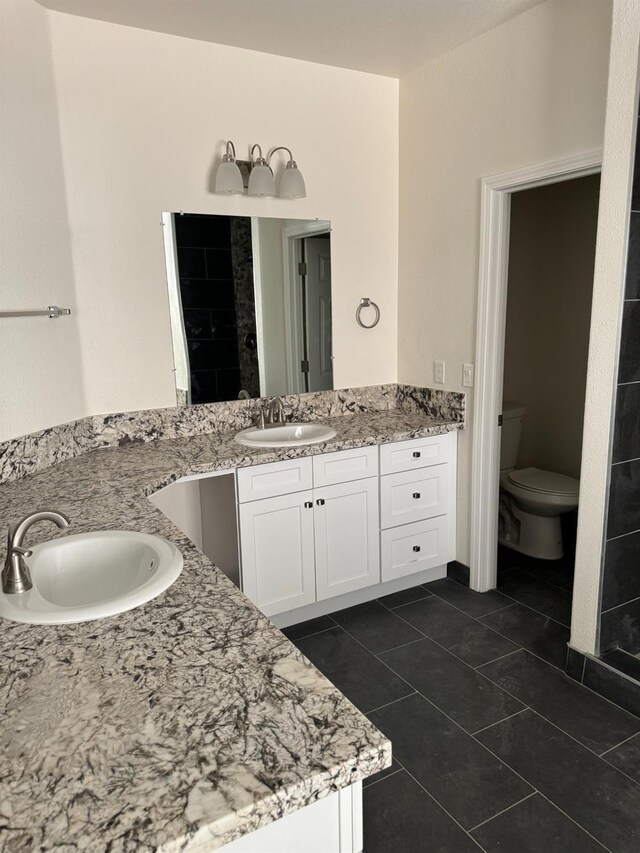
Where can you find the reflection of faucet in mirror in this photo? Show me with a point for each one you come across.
(276, 413)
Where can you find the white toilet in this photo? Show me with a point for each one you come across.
(531, 500)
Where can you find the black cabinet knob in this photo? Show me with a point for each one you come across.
(416, 454)
(416, 548)
(416, 495)
(308, 504)
(320, 501)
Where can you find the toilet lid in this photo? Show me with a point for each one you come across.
(537, 480)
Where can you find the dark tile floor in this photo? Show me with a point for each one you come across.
(494, 747)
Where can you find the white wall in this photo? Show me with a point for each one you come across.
(142, 115)
(608, 290)
(552, 247)
(40, 363)
(528, 91)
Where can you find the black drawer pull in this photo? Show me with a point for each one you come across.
(320, 501)
(308, 504)
(416, 548)
(416, 454)
(416, 495)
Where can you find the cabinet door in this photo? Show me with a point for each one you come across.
(276, 540)
(346, 536)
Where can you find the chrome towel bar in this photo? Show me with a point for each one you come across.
(52, 312)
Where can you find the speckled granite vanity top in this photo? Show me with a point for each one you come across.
(184, 723)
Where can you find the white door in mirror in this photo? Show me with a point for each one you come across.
(93, 575)
(285, 435)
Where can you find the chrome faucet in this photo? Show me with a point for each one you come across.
(276, 413)
(15, 575)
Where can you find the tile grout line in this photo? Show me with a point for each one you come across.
(388, 776)
(499, 610)
(401, 646)
(555, 725)
(613, 766)
(483, 822)
(466, 613)
(579, 825)
(606, 698)
(506, 606)
(506, 764)
(575, 740)
(500, 657)
(313, 634)
(622, 742)
(503, 720)
(453, 654)
(473, 735)
(439, 804)
(391, 608)
(393, 702)
(623, 604)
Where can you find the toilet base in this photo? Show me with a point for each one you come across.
(539, 536)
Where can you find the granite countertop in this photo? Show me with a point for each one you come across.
(186, 722)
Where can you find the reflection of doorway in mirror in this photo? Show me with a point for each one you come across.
(316, 313)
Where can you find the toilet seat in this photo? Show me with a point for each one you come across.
(537, 481)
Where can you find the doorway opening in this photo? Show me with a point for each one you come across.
(536, 277)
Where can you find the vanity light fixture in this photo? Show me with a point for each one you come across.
(229, 177)
(261, 180)
(291, 181)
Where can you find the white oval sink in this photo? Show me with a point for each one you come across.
(92, 575)
(285, 435)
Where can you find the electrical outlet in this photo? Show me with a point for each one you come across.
(467, 375)
(438, 371)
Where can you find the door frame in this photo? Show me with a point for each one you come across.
(490, 340)
(291, 236)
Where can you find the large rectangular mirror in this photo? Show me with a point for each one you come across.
(250, 303)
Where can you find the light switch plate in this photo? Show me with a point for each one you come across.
(438, 371)
(467, 375)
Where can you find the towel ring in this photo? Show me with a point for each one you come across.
(365, 302)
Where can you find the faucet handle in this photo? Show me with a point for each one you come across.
(23, 552)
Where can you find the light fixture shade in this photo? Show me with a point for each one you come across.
(261, 181)
(229, 178)
(292, 182)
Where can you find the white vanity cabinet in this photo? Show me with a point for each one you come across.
(307, 545)
(417, 498)
(324, 529)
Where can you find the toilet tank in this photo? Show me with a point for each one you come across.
(512, 420)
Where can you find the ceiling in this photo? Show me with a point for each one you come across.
(389, 37)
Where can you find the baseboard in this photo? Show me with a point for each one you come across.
(458, 572)
(601, 677)
(369, 593)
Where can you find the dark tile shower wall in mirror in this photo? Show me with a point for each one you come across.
(620, 604)
(215, 270)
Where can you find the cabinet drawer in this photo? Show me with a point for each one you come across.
(273, 479)
(414, 547)
(416, 453)
(345, 466)
(413, 495)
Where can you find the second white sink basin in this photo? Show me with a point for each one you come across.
(285, 435)
(92, 575)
